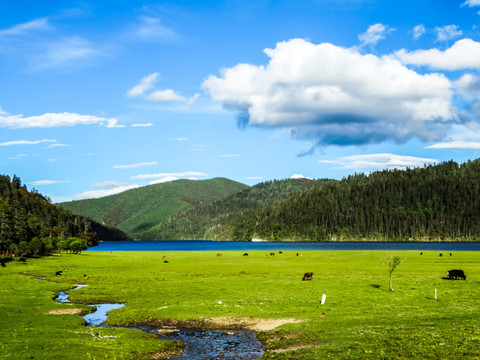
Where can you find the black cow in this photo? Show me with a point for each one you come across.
(3, 264)
(307, 276)
(456, 274)
(58, 273)
(246, 254)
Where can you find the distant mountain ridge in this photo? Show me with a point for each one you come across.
(139, 211)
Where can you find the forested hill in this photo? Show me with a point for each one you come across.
(434, 203)
(139, 211)
(29, 223)
(210, 221)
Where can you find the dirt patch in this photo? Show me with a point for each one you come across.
(73, 311)
(293, 348)
(219, 323)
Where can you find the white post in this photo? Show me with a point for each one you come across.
(435, 293)
(324, 297)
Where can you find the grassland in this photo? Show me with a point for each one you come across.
(361, 318)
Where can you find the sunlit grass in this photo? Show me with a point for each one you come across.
(360, 319)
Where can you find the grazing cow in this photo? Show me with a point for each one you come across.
(421, 253)
(450, 254)
(440, 254)
(58, 273)
(246, 254)
(280, 252)
(456, 274)
(165, 261)
(272, 254)
(219, 254)
(307, 276)
(3, 264)
(164, 256)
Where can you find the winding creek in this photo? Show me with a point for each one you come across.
(199, 344)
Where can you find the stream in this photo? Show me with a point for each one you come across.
(199, 344)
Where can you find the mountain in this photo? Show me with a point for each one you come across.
(211, 221)
(139, 211)
(435, 203)
(31, 224)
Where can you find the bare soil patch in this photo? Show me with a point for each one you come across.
(73, 311)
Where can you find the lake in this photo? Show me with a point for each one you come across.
(201, 245)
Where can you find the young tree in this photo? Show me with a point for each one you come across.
(393, 262)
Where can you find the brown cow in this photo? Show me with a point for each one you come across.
(219, 254)
(272, 254)
(307, 276)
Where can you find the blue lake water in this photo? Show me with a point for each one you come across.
(197, 245)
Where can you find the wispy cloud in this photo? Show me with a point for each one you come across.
(151, 29)
(378, 161)
(26, 142)
(142, 125)
(418, 31)
(230, 155)
(50, 120)
(27, 28)
(145, 84)
(48, 182)
(185, 174)
(94, 194)
(57, 145)
(448, 32)
(456, 145)
(374, 34)
(136, 165)
(181, 139)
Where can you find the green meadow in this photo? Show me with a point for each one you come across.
(361, 318)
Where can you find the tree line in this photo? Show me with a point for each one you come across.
(434, 203)
(31, 225)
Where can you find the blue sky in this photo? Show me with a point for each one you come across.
(98, 97)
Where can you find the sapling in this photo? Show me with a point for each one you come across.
(393, 262)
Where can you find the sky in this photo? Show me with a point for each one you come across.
(97, 97)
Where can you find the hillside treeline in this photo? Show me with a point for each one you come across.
(434, 203)
(30, 224)
(211, 220)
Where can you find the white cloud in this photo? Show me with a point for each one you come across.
(136, 165)
(464, 54)
(468, 84)
(299, 176)
(151, 29)
(181, 139)
(50, 120)
(471, 3)
(64, 52)
(142, 125)
(334, 95)
(174, 174)
(456, 145)
(374, 34)
(145, 84)
(93, 194)
(26, 28)
(448, 32)
(47, 182)
(26, 142)
(379, 161)
(163, 180)
(418, 31)
(57, 145)
(109, 185)
(230, 155)
(165, 96)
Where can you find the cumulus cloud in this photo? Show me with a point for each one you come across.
(468, 84)
(333, 95)
(464, 54)
(50, 120)
(136, 165)
(299, 176)
(374, 34)
(183, 175)
(471, 3)
(165, 96)
(418, 31)
(378, 161)
(448, 32)
(145, 84)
